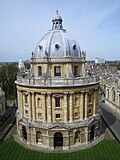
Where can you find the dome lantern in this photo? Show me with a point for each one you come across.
(57, 21)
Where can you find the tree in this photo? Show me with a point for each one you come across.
(8, 73)
(118, 66)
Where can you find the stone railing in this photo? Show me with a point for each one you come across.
(56, 80)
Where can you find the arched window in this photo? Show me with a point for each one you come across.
(38, 102)
(113, 95)
(57, 102)
(76, 101)
(108, 93)
(58, 139)
(90, 98)
(24, 133)
(39, 71)
(26, 98)
(40, 47)
(57, 46)
(38, 137)
(77, 136)
(74, 47)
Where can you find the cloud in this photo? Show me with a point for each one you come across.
(106, 14)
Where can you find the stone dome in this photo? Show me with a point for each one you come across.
(57, 43)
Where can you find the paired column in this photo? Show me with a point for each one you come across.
(29, 106)
(71, 106)
(86, 104)
(43, 106)
(23, 103)
(81, 105)
(33, 106)
(65, 106)
(19, 100)
(94, 103)
(20, 103)
(49, 105)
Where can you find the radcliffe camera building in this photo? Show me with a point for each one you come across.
(58, 102)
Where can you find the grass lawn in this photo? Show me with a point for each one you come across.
(105, 150)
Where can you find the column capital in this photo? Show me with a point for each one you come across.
(43, 93)
(71, 92)
(49, 93)
(65, 93)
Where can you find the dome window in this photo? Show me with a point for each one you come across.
(40, 47)
(57, 46)
(74, 46)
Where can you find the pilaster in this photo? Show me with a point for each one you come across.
(30, 106)
(33, 106)
(81, 105)
(49, 106)
(71, 106)
(65, 106)
(43, 94)
(86, 104)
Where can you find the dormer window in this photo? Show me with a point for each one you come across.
(74, 47)
(40, 47)
(39, 71)
(75, 71)
(57, 46)
(57, 71)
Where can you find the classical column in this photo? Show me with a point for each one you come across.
(29, 106)
(43, 106)
(65, 106)
(81, 105)
(49, 107)
(94, 102)
(23, 103)
(33, 106)
(71, 107)
(86, 104)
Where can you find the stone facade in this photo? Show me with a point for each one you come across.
(58, 102)
(112, 91)
(2, 103)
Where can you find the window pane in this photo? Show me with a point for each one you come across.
(75, 70)
(57, 115)
(39, 71)
(57, 71)
(57, 102)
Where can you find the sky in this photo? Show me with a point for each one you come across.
(95, 24)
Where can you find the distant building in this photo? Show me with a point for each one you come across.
(58, 102)
(112, 92)
(99, 61)
(21, 64)
(2, 103)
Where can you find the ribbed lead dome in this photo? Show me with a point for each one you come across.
(57, 43)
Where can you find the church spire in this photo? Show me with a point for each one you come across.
(57, 21)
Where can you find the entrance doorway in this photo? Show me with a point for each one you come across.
(24, 133)
(92, 133)
(58, 140)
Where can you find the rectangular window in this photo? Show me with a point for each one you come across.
(89, 98)
(76, 114)
(57, 71)
(89, 109)
(75, 71)
(39, 71)
(26, 100)
(57, 115)
(57, 102)
(26, 111)
(40, 115)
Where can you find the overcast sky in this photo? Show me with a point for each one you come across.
(95, 24)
